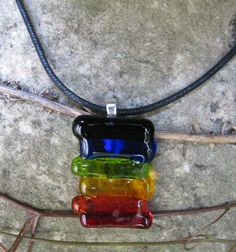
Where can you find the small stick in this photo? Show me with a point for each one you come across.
(27, 225)
(198, 233)
(123, 243)
(68, 213)
(2, 248)
(197, 138)
(36, 214)
(73, 112)
(27, 96)
(233, 248)
(190, 211)
(33, 233)
(19, 204)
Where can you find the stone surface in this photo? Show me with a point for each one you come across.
(136, 52)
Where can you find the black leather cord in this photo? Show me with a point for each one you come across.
(101, 109)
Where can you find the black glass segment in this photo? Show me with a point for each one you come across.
(115, 137)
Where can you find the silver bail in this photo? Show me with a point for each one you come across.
(111, 109)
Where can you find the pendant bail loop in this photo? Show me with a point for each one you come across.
(111, 108)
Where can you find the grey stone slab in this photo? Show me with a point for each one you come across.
(136, 52)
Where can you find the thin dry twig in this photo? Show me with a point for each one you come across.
(69, 214)
(26, 227)
(36, 214)
(33, 232)
(198, 233)
(72, 111)
(233, 248)
(2, 248)
(49, 104)
(197, 138)
(189, 211)
(123, 243)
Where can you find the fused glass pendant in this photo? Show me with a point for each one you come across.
(116, 176)
(115, 137)
(110, 168)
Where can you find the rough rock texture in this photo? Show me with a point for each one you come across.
(136, 52)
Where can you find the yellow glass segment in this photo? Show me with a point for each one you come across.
(135, 188)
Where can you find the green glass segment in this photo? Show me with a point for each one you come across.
(110, 167)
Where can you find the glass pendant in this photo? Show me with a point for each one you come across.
(116, 178)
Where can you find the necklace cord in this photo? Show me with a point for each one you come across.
(98, 109)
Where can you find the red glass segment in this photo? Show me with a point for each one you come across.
(143, 220)
(102, 204)
(112, 212)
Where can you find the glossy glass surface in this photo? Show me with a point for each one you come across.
(108, 205)
(110, 168)
(123, 220)
(115, 137)
(134, 188)
(116, 176)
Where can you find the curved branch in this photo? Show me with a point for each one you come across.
(197, 138)
(2, 248)
(26, 227)
(123, 243)
(233, 248)
(198, 233)
(33, 232)
(73, 112)
(68, 213)
(37, 213)
(190, 211)
(51, 105)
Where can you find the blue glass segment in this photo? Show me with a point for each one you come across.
(115, 137)
(113, 145)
